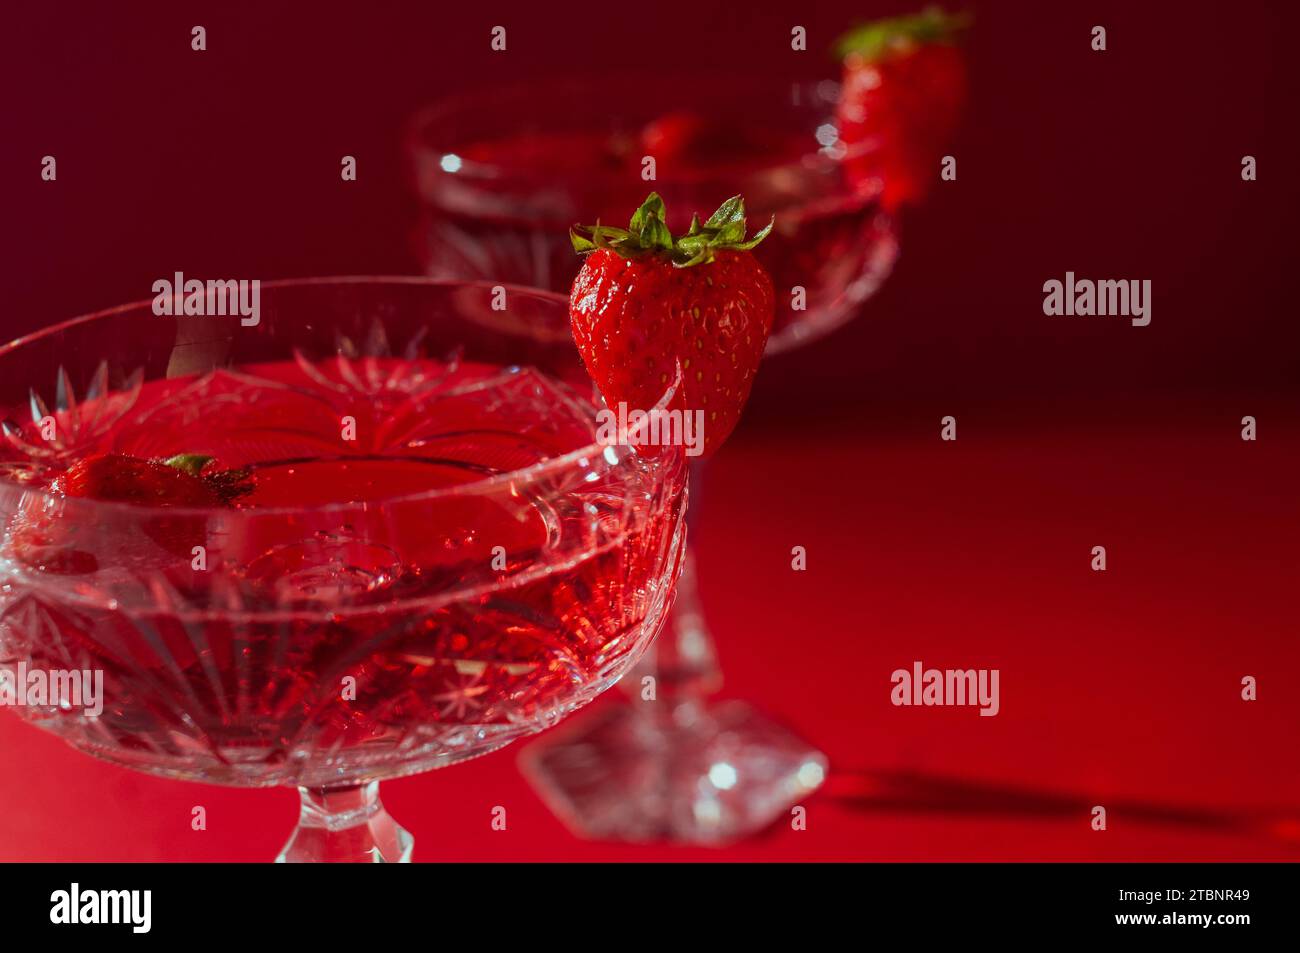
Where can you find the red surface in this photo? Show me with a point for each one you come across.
(1117, 688)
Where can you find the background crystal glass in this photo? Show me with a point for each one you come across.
(497, 208)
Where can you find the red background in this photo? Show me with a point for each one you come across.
(1119, 689)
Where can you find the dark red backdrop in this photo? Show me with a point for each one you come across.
(1117, 689)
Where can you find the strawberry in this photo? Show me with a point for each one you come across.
(126, 479)
(55, 543)
(901, 95)
(677, 135)
(684, 141)
(646, 303)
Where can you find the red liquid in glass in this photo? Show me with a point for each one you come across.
(348, 616)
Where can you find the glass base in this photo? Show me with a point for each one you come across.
(346, 826)
(694, 773)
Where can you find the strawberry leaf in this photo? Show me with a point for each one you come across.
(732, 210)
(762, 234)
(601, 236)
(651, 208)
(881, 38)
(732, 232)
(648, 233)
(655, 234)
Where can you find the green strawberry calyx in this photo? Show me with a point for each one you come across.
(881, 38)
(191, 463)
(229, 485)
(648, 233)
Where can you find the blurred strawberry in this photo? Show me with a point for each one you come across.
(646, 303)
(902, 92)
(685, 141)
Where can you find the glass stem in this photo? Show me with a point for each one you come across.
(346, 825)
(683, 660)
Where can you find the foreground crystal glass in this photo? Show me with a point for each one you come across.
(501, 177)
(436, 557)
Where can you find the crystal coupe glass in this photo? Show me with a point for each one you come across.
(501, 177)
(431, 554)
(503, 174)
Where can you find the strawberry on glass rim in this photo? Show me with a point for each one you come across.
(647, 303)
(902, 91)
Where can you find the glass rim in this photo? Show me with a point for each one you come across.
(419, 148)
(489, 483)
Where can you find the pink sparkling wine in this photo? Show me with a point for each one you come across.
(434, 558)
